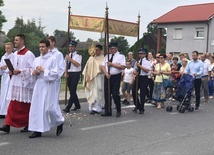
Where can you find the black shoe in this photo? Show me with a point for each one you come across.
(75, 109)
(118, 114)
(66, 110)
(2, 116)
(106, 114)
(59, 129)
(5, 128)
(124, 101)
(149, 101)
(25, 129)
(127, 103)
(196, 108)
(35, 135)
(141, 112)
(93, 112)
(135, 109)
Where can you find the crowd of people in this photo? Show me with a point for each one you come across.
(30, 86)
(142, 79)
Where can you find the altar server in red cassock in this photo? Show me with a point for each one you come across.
(21, 87)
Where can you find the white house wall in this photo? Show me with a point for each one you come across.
(188, 43)
(211, 37)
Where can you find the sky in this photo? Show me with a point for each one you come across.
(54, 13)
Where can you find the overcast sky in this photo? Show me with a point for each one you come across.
(54, 13)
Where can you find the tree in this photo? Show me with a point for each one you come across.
(89, 40)
(123, 45)
(61, 33)
(153, 29)
(32, 32)
(2, 17)
(101, 40)
(136, 47)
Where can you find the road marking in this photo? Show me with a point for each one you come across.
(5, 143)
(106, 125)
(173, 113)
(129, 106)
(133, 106)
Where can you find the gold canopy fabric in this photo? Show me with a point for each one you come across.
(97, 24)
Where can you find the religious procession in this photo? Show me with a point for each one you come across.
(30, 86)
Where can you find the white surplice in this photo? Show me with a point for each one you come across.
(5, 81)
(21, 85)
(45, 111)
(61, 65)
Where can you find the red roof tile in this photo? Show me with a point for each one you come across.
(188, 13)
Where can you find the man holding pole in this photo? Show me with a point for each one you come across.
(112, 69)
(74, 70)
(143, 66)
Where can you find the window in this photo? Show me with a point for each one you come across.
(199, 33)
(178, 33)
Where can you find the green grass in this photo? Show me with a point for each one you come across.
(62, 88)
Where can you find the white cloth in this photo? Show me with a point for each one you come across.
(207, 61)
(5, 81)
(96, 94)
(153, 62)
(60, 61)
(94, 83)
(117, 59)
(128, 73)
(78, 58)
(21, 85)
(147, 64)
(61, 68)
(44, 111)
(211, 68)
(206, 68)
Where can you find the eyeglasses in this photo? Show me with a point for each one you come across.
(161, 57)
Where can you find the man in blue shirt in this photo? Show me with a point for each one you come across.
(195, 68)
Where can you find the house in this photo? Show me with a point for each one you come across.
(189, 28)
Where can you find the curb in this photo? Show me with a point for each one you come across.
(61, 102)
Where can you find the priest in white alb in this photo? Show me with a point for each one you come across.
(45, 111)
(94, 80)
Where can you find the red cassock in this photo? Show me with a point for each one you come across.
(17, 114)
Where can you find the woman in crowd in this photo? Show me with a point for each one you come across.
(162, 70)
(175, 76)
(184, 62)
(212, 76)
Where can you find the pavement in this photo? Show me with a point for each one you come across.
(156, 132)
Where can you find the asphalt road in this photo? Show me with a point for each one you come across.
(156, 132)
